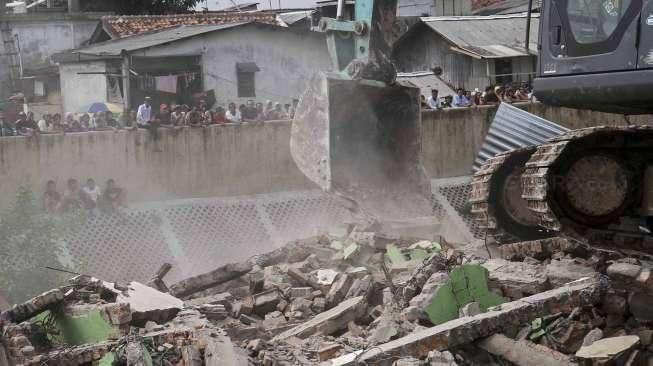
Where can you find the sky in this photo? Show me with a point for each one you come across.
(263, 4)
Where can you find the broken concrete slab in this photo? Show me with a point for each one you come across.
(607, 349)
(328, 351)
(266, 302)
(223, 298)
(147, 303)
(538, 249)
(32, 307)
(523, 353)
(339, 289)
(329, 321)
(465, 330)
(566, 270)
(516, 279)
(219, 351)
(204, 281)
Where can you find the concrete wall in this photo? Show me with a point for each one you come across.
(78, 90)
(234, 160)
(452, 138)
(287, 59)
(192, 162)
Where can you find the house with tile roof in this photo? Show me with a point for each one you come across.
(232, 62)
(120, 26)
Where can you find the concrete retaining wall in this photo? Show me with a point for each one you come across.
(191, 162)
(451, 138)
(232, 160)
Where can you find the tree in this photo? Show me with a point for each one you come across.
(29, 241)
(154, 6)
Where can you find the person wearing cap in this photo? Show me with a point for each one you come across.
(144, 114)
(434, 101)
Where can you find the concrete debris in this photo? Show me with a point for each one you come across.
(516, 279)
(329, 321)
(365, 297)
(339, 289)
(466, 330)
(608, 349)
(147, 303)
(523, 353)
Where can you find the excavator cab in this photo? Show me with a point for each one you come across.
(596, 54)
(357, 131)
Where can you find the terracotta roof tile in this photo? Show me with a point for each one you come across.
(119, 26)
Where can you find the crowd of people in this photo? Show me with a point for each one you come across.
(147, 116)
(466, 98)
(89, 197)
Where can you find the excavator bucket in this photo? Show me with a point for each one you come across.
(361, 139)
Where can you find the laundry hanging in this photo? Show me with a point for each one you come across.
(166, 83)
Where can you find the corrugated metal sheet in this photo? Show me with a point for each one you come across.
(487, 36)
(426, 81)
(294, 16)
(514, 128)
(145, 40)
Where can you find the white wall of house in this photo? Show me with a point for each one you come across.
(81, 90)
(42, 35)
(287, 59)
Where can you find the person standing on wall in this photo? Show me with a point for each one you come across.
(144, 114)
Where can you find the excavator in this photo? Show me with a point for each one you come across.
(356, 131)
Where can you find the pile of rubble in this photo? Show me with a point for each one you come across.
(360, 298)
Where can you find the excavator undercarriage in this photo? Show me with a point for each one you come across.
(594, 184)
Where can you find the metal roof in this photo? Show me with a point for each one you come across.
(425, 81)
(294, 16)
(514, 128)
(150, 39)
(494, 36)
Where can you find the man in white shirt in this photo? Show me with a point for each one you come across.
(144, 114)
(92, 194)
(233, 114)
(434, 101)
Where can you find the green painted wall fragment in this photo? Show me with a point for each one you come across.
(88, 328)
(466, 283)
(395, 255)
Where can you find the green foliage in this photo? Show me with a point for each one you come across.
(29, 241)
(154, 6)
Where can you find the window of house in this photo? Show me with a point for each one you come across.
(246, 72)
(39, 88)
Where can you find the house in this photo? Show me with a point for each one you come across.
(235, 62)
(32, 31)
(471, 51)
(120, 26)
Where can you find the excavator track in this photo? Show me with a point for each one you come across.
(589, 183)
(496, 200)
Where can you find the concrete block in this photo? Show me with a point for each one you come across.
(147, 303)
(328, 351)
(516, 279)
(266, 302)
(339, 289)
(329, 321)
